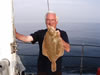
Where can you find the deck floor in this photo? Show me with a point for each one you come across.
(64, 73)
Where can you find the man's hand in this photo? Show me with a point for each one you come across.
(65, 44)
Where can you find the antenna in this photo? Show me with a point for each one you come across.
(48, 5)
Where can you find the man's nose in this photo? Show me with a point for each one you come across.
(50, 23)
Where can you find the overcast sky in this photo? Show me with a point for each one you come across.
(69, 11)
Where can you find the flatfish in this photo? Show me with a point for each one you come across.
(52, 46)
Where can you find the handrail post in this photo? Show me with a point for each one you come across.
(81, 63)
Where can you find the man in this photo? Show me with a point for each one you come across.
(44, 65)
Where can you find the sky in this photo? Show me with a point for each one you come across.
(69, 11)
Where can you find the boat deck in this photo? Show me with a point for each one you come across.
(62, 74)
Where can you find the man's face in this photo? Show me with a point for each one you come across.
(51, 20)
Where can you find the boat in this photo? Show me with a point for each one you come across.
(8, 49)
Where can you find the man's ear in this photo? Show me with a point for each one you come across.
(56, 22)
(56, 19)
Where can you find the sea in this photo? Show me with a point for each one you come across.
(85, 47)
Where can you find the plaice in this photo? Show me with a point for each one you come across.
(52, 47)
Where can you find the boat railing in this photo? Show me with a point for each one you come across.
(82, 56)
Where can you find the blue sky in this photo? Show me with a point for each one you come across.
(69, 11)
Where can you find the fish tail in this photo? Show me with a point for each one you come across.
(53, 66)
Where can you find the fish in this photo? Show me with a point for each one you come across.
(52, 46)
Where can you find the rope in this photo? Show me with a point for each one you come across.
(48, 5)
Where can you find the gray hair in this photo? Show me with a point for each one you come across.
(51, 12)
